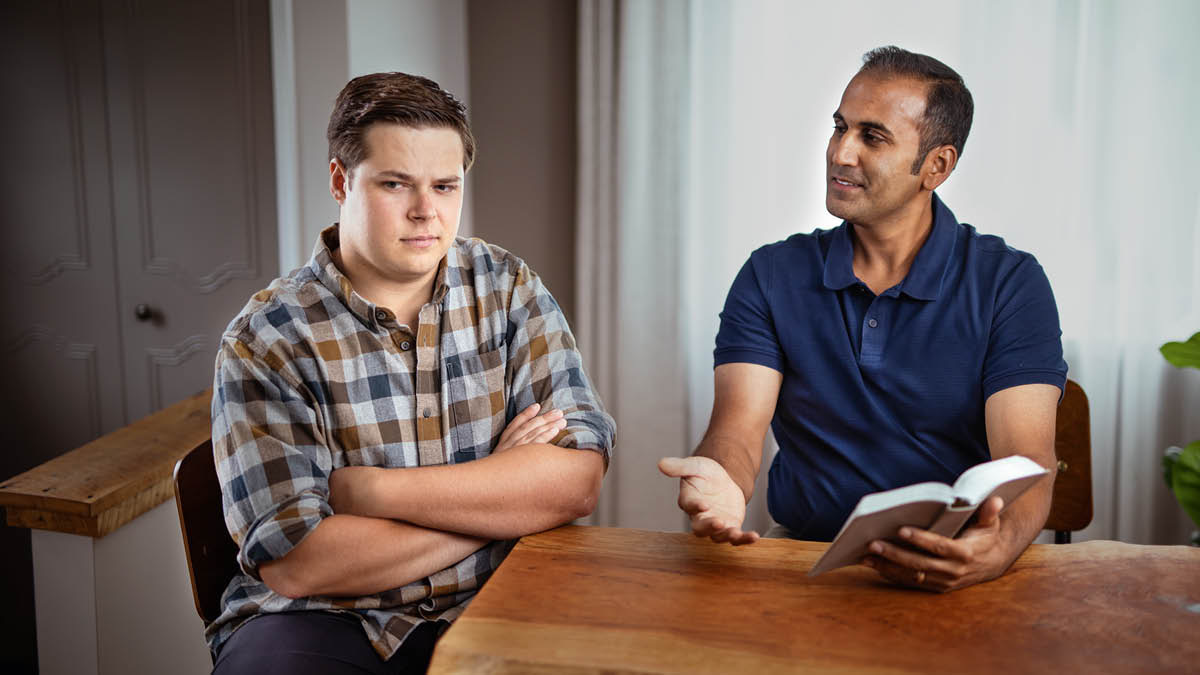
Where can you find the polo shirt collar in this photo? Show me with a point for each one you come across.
(924, 279)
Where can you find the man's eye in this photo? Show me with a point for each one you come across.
(873, 139)
(839, 129)
(446, 188)
(391, 184)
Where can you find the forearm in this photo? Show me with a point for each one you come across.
(525, 489)
(740, 458)
(744, 398)
(1020, 421)
(1022, 521)
(349, 555)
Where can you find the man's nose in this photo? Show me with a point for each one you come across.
(422, 208)
(842, 151)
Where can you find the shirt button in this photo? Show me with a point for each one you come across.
(872, 323)
(426, 413)
(380, 315)
(405, 346)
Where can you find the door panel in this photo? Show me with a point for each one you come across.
(193, 182)
(59, 340)
(139, 169)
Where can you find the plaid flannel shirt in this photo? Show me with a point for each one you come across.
(311, 377)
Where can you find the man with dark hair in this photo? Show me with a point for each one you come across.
(389, 417)
(899, 347)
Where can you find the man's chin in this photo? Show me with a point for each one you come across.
(838, 208)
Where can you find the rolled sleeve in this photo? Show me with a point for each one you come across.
(272, 468)
(546, 368)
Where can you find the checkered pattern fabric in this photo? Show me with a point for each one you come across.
(311, 377)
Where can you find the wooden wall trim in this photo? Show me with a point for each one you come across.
(99, 487)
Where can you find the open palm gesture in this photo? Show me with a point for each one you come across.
(715, 504)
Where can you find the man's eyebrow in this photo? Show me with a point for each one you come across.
(400, 175)
(394, 174)
(867, 124)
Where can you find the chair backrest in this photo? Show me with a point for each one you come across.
(211, 553)
(1071, 506)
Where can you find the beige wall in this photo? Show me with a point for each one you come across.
(521, 57)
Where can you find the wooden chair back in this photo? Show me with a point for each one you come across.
(211, 553)
(1071, 505)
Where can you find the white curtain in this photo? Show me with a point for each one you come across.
(1084, 152)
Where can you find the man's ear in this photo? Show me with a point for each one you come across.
(339, 181)
(938, 166)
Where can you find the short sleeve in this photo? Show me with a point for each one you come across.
(747, 333)
(1025, 344)
(545, 367)
(272, 466)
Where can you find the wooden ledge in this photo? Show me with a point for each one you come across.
(99, 487)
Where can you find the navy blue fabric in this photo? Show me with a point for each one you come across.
(884, 391)
(320, 643)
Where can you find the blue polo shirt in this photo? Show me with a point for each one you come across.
(884, 391)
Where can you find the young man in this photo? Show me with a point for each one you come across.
(899, 347)
(389, 417)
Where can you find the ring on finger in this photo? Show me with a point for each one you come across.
(920, 577)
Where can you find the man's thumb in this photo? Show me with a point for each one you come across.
(678, 467)
(990, 512)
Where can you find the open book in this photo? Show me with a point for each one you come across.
(937, 507)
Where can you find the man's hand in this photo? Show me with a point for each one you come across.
(529, 427)
(715, 504)
(351, 487)
(981, 553)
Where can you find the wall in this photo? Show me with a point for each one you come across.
(523, 91)
(318, 46)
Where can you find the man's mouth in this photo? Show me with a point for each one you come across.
(844, 183)
(420, 241)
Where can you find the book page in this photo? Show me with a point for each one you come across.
(880, 516)
(880, 501)
(930, 506)
(977, 483)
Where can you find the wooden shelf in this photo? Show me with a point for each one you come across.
(99, 487)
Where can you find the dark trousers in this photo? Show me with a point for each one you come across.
(319, 642)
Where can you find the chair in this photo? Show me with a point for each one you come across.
(1071, 505)
(211, 553)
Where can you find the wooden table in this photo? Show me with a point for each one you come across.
(591, 599)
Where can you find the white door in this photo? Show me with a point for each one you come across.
(137, 215)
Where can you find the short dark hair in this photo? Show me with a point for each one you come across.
(398, 98)
(949, 107)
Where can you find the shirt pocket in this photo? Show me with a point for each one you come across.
(477, 403)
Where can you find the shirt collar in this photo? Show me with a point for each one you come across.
(924, 279)
(332, 278)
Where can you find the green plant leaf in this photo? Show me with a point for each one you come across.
(1183, 354)
(1185, 480)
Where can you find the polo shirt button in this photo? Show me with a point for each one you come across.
(426, 413)
(406, 345)
(380, 315)
(872, 323)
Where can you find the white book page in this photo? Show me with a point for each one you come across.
(918, 492)
(976, 483)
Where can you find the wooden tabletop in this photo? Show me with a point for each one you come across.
(99, 487)
(591, 599)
